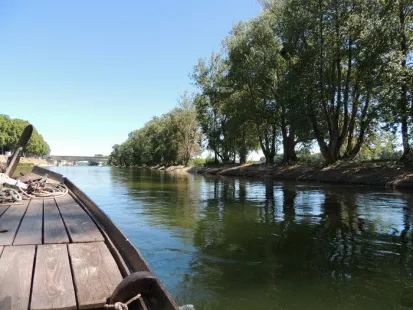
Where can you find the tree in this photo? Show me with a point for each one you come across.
(241, 130)
(257, 67)
(337, 62)
(10, 132)
(397, 96)
(212, 79)
(166, 140)
(184, 118)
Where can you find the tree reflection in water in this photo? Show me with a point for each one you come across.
(249, 244)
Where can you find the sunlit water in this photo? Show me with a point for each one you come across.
(225, 243)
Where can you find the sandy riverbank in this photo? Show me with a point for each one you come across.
(383, 174)
(26, 161)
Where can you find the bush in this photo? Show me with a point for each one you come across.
(315, 159)
(196, 162)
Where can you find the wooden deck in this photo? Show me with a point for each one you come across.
(53, 256)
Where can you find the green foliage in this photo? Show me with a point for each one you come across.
(10, 131)
(197, 161)
(167, 140)
(302, 71)
(380, 145)
(311, 159)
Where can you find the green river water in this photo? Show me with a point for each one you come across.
(227, 243)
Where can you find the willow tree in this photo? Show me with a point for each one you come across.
(338, 56)
(185, 125)
(211, 79)
(397, 19)
(241, 130)
(257, 68)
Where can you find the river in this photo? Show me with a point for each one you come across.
(226, 243)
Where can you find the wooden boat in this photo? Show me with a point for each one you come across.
(65, 253)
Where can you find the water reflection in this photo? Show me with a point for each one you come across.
(224, 243)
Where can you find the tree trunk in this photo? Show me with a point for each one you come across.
(405, 139)
(269, 159)
(403, 98)
(289, 156)
(242, 155)
(267, 149)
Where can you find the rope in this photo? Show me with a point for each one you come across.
(12, 190)
(9, 194)
(124, 306)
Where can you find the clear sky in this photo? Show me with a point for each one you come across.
(87, 72)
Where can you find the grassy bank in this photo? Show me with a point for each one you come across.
(25, 161)
(383, 174)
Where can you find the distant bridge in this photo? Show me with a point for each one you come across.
(97, 159)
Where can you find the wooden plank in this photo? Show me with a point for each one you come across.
(54, 230)
(95, 272)
(124, 269)
(52, 282)
(29, 177)
(48, 173)
(10, 221)
(16, 267)
(79, 225)
(30, 231)
(3, 208)
(129, 253)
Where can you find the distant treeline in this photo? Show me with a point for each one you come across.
(338, 74)
(10, 131)
(169, 139)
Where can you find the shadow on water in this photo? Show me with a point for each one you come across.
(226, 243)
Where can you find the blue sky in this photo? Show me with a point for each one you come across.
(86, 73)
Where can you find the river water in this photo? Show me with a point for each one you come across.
(226, 243)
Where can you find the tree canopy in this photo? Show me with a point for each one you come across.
(336, 74)
(167, 140)
(10, 131)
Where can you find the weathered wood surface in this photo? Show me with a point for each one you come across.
(48, 173)
(29, 177)
(16, 266)
(10, 221)
(129, 252)
(52, 282)
(3, 208)
(79, 225)
(30, 231)
(95, 272)
(54, 230)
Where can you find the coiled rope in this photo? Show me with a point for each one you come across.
(12, 190)
(9, 194)
(124, 306)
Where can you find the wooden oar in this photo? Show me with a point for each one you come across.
(23, 141)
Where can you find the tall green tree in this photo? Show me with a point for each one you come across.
(337, 60)
(257, 67)
(167, 140)
(186, 124)
(10, 132)
(397, 17)
(211, 79)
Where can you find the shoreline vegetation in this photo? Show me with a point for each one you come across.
(390, 174)
(303, 82)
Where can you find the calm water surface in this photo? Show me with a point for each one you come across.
(224, 243)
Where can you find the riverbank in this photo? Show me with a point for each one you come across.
(383, 174)
(26, 161)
